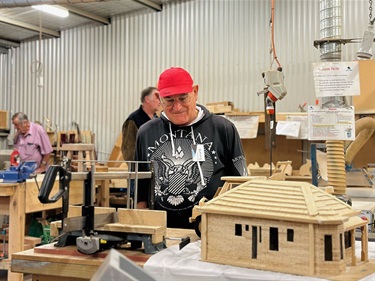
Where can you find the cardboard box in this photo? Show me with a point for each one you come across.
(365, 102)
(4, 120)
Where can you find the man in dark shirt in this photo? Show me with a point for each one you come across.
(191, 149)
(150, 104)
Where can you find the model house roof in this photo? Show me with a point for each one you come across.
(281, 200)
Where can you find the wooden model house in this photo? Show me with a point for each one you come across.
(290, 227)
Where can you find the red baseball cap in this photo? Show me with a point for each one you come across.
(175, 81)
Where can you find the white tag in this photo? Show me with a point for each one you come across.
(197, 151)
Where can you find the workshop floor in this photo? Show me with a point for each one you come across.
(4, 274)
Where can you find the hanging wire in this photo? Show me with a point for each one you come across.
(273, 49)
(370, 10)
(37, 66)
(371, 20)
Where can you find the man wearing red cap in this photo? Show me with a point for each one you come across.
(190, 148)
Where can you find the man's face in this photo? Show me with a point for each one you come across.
(154, 101)
(181, 109)
(21, 126)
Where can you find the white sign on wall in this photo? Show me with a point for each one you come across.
(331, 123)
(336, 79)
(303, 131)
(247, 126)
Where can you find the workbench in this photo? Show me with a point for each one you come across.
(48, 262)
(169, 264)
(19, 199)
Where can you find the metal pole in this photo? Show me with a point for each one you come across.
(136, 186)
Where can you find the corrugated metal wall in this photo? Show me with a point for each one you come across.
(94, 75)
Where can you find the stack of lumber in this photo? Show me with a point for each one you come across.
(220, 107)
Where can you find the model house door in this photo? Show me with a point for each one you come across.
(254, 242)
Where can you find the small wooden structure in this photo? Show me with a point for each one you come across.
(230, 182)
(291, 227)
(80, 148)
(279, 172)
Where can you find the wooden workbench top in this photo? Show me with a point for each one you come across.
(67, 262)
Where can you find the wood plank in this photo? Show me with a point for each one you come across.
(33, 241)
(7, 189)
(4, 203)
(53, 268)
(39, 277)
(61, 253)
(32, 191)
(116, 154)
(76, 211)
(4, 119)
(77, 147)
(16, 226)
(126, 228)
(364, 103)
(142, 217)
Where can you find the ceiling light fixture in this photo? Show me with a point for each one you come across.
(53, 10)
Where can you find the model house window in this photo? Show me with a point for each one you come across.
(328, 248)
(238, 229)
(260, 234)
(274, 239)
(290, 235)
(247, 227)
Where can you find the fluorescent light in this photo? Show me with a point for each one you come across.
(53, 10)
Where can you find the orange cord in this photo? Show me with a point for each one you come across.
(273, 33)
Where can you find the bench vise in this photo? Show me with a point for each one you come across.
(19, 173)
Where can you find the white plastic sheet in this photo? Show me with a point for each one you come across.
(173, 264)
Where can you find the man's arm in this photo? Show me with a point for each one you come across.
(129, 133)
(45, 149)
(142, 205)
(143, 184)
(44, 164)
(237, 158)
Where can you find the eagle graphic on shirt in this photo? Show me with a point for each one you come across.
(178, 180)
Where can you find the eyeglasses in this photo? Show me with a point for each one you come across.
(183, 99)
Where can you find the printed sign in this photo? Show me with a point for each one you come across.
(336, 79)
(331, 123)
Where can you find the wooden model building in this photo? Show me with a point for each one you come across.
(290, 227)
(229, 183)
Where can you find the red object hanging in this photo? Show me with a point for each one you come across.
(15, 158)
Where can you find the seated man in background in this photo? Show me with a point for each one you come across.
(191, 149)
(31, 141)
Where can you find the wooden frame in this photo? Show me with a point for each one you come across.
(19, 199)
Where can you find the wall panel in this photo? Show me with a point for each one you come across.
(93, 75)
